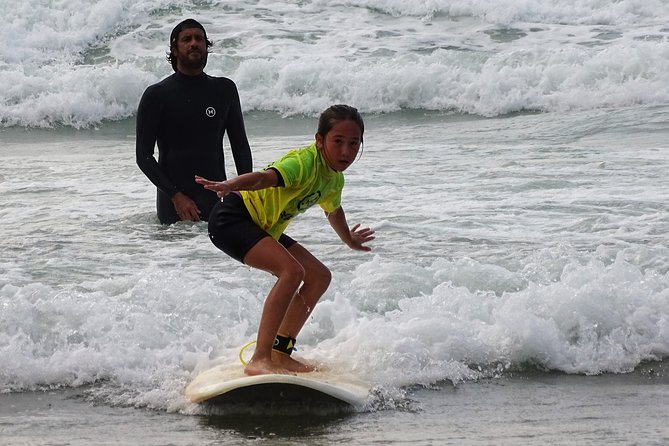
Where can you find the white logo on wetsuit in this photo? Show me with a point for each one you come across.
(211, 112)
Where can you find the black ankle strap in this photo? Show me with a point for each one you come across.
(284, 344)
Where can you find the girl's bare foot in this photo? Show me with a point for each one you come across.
(291, 364)
(264, 367)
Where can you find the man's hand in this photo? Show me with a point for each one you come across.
(186, 208)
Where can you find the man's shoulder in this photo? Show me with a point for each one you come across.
(221, 81)
(163, 84)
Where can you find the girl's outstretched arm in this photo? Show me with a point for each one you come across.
(354, 237)
(248, 181)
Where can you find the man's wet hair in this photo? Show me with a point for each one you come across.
(186, 24)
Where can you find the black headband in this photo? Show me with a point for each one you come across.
(188, 23)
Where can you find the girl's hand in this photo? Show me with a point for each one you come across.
(361, 236)
(222, 188)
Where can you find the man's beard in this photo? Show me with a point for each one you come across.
(189, 63)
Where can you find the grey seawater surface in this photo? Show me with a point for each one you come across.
(531, 408)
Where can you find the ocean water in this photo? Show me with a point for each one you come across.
(514, 169)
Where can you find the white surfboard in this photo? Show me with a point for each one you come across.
(228, 386)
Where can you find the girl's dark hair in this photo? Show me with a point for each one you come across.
(338, 113)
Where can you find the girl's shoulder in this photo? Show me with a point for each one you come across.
(300, 165)
(308, 154)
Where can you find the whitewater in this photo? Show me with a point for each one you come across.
(87, 62)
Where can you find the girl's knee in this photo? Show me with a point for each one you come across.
(320, 275)
(294, 271)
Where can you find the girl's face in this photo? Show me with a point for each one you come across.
(341, 145)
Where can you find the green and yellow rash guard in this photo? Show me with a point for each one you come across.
(308, 180)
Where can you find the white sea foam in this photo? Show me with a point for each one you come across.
(89, 62)
(145, 332)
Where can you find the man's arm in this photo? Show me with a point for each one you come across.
(239, 143)
(146, 136)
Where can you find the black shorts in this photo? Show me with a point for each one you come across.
(233, 231)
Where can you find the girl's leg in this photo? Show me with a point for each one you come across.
(269, 255)
(317, 278)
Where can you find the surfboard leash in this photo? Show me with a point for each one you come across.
(241, 352)
(282, 344)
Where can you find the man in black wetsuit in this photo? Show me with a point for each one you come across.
(187, 114)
